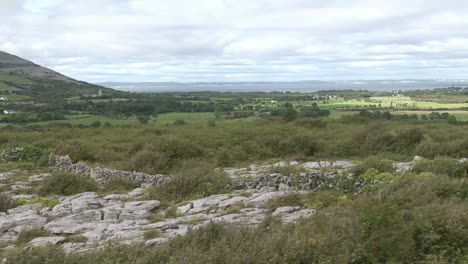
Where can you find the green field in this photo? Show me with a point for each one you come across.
(187, 117)
(14, 79)
(459, 114)
(168, 118)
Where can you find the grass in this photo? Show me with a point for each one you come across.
(150, 234)
(5, 87)
(63, 183)
(170, 118)
(76, 239)
(461, 115)
(14, 79)
(27, 235)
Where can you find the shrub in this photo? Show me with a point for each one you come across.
(29, 234)
(64, 183)
(46, 202)
(6, 202)
(119, 185)
(302, 144)
(150, 162)
(194, 178)
(293, 199)
(76, 150)
(155, 217)
(443, 166)
(374, 175)
(76, 239)
(378, 163)
(150, 234)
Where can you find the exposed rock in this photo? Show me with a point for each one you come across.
(74, 224)
(39, 177)
(136, 192)
(202, 205)
(6, 224)
(5, 175)
(83, 204)
(141, 205)
(262, 199)
(103, 175)
(156, 241)
(285, 210)
(43, 241)
(232, 201)
(298, 214)
(27, 197)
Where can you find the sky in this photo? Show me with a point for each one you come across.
(240, 40)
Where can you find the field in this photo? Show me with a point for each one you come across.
(461, 115)
(168, 118)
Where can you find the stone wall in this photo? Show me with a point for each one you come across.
(103, 175)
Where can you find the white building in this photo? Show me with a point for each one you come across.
(9, 112)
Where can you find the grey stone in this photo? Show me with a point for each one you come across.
(262, 199)
(285, 210)
(298, 214)
(39, 177)
(83, 204)
(43, 241)
(141, 205)
(156, 241)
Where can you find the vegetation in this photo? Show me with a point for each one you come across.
(29, 234)
(415, 219)
(193, 179)
(418, 216)
(6, 203)
(66, 184)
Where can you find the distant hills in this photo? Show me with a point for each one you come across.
(21, 80)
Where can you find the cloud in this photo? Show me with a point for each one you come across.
(227, 40)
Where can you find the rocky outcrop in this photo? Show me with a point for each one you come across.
(309, 176)
(103, 175)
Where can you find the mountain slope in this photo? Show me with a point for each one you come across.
(21, 79)
(15, 65)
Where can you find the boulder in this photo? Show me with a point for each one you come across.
(156, 241)
(43, 241)
(83, 204)
(285, 210)
(263, 198)
(141, 205)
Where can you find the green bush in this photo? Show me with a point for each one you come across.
(378, 163)
(29, 234)
(444, 166)
(150, 234)
(6, 202)
(77, 151)
(194, 178)
(119, 185)
(150, 162)
(76, 239)
(293, 199)
(64, 183)
(46, 202)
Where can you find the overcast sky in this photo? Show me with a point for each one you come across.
(240, 40)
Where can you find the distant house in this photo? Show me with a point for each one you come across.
(9, 112)
(99, 94)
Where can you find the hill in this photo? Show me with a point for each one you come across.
(21, 79)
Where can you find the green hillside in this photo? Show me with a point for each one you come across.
(23, 80)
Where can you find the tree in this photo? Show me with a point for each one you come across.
(143, 119)
(96, 124)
